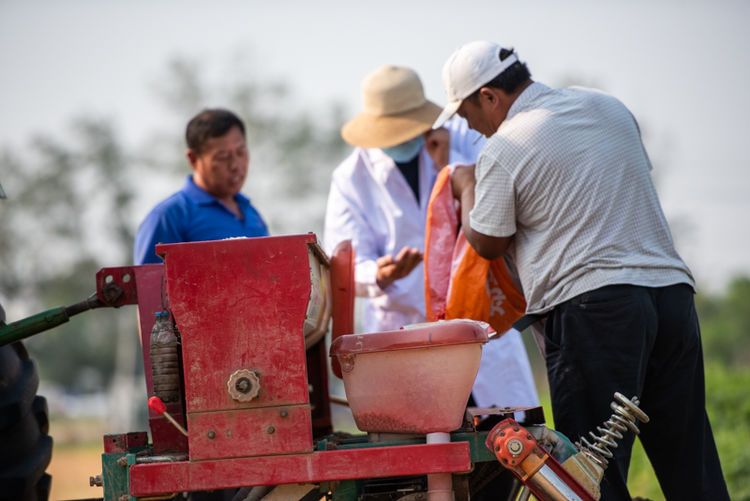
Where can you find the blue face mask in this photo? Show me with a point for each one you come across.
(405, 151)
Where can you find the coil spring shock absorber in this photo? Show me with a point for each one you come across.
(579, 475)
(625, 417)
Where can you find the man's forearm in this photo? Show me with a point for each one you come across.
(467, 204)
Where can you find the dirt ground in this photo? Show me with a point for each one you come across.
(71, 467)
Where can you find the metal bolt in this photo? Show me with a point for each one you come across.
(243, 385)
(283, 413)
(124, 497)
(95, 481)
(211, 434)
(515, 447)
(123, 461)
(270, 430)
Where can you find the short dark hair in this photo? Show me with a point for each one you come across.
(509, 80)
(210, 123)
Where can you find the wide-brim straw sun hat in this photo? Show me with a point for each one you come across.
(395, 109)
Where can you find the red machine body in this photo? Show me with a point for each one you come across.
(241, 304)
(242, 308)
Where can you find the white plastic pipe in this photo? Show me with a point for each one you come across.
(439, 485)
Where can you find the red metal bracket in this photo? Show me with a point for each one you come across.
(123, 442)
(116, 287)
(342, 285)
(376, 462)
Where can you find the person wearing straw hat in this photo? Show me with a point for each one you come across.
(379, 194)
(564, 185)
(379, 198)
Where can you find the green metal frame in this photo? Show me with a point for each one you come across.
(116, 474)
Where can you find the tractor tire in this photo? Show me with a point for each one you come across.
(24, 426)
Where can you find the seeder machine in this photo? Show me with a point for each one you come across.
(233, 338)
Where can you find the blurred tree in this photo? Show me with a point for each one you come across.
(73, 196)
(293, 149)
(65, 218)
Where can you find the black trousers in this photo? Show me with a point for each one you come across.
(641, 342)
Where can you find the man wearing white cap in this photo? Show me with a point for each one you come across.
(378, 199)
(563, 185)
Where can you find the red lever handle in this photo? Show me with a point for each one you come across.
(156, 405)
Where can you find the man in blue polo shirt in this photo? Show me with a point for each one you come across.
(209, 206)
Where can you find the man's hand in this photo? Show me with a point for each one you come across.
(391, 269)
(438, 144)
(462, 180)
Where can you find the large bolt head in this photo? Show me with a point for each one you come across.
(243, 385)
(515, 446)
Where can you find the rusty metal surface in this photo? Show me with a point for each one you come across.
(116, 286)
(376, 462)
(250, 432)
(238, 304)
(123, 442)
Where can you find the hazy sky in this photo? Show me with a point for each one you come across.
(682, 68)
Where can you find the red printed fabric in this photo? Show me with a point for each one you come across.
(458, 282)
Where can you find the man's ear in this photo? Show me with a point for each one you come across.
(192, 157)
(487, 94)
(495, 98)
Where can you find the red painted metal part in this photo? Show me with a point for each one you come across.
(116, 286)
(241, 304)
(123, 442)
(518, 451)
(142, 285)
(241, 433)
(377, 462)
(342, 285)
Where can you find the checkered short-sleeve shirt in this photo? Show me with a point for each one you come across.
(566, 174)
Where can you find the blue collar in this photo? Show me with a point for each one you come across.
(199, 196)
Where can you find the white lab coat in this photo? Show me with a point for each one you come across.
(372, 204)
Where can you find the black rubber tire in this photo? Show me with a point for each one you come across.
(25, 446)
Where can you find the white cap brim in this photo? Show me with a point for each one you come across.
(449, 110)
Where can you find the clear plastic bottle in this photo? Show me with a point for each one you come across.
(165, 362)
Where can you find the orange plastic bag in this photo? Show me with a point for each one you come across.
(458, 282)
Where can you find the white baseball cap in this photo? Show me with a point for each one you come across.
(467, 70)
